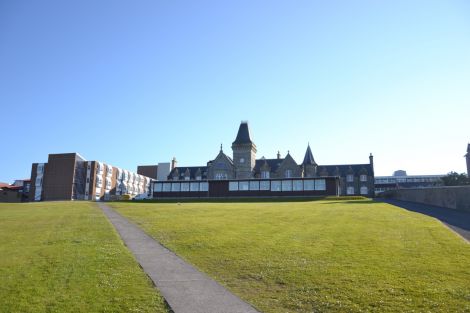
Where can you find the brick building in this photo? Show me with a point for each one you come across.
(68, 176)
(354, 179)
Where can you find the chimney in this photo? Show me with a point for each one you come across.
(278, 155)
(371, 159)
(173, 163)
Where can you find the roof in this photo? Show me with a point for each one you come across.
(243, 135)
(4, 185)
(272, 163)
(192, 171)
(308, 159)
(345, 169)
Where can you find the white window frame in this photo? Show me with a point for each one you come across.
(350, 178)
(364, 190)
(363, 178)
(350, 190)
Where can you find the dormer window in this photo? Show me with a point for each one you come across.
(288, 173)
(350, 178)
(265, 174)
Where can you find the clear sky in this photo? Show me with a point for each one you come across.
(138, 82)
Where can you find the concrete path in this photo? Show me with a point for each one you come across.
(184, 288)
(459, 221)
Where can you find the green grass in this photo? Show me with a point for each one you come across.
(66, 257)
(318, 256)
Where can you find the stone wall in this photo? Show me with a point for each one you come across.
(448, 197)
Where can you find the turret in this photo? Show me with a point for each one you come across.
(244, 152)
(309, 165)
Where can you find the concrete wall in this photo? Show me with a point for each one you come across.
(448, 197)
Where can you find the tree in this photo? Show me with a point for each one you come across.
(455, 179)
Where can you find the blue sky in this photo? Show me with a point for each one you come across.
(138, 82)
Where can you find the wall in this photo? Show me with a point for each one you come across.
(448, 197)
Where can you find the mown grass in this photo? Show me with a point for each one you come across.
(66, 257)
(318, 256)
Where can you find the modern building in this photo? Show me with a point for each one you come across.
(353, 179)
(158, 172)
(68, 176)
(400, 180)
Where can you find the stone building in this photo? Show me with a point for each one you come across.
(355, 179)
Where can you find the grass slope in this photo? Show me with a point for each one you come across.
(66, 257)
(319, 256)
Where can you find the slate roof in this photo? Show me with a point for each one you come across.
(345, 169)
(243, 135)
(192, 172)
(272, 163)
(308, 159)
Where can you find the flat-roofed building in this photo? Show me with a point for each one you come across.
(68, 176)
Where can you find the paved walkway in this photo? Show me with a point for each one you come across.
(459, 221)
(184, 288)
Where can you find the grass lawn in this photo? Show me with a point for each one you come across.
(319, 256)
(66, 257)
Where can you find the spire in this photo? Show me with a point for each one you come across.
(221, 148)
(243, 135)
(278, 155)
(308, 159)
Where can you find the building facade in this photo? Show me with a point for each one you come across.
(68, 176)
(400, 180)
(354, 179)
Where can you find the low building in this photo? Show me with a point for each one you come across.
(400, 180)
(16, 192)
(354, 179)
(68, 176)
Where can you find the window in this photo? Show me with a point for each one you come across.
(198, 177)
(39, 181)
(233, 186)
(349, 178)
(166, 187)
(194, 186)
(297, 185)
(363, 177)
(184, 186)
(309, 184)
(254, 185)
(264, 185)
(320, 184)
(350, 190)
(364, 190)
(175, 187)
(40, 168)
(276, 185)
(265, 174)
(288, 173)
(204, 186)
(243, 185)
(186, 178)
(242, 160)
(287, 185)
(220, 176)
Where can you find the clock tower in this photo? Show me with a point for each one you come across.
(244, 153)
